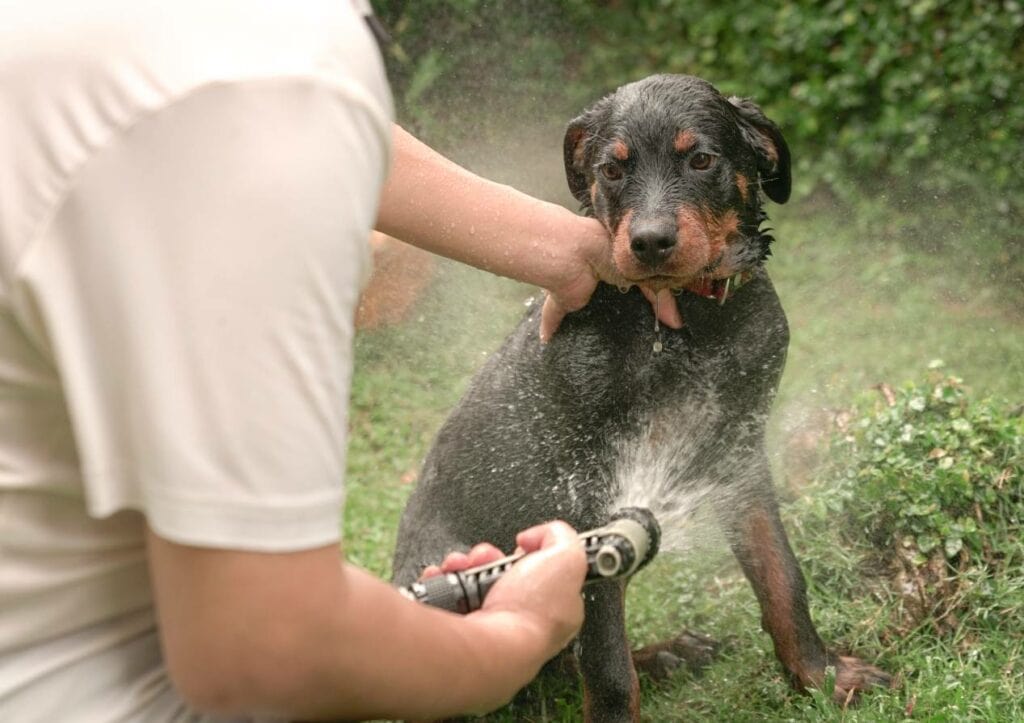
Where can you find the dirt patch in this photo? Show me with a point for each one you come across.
(400, 274)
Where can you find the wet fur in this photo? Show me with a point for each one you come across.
(537, 434)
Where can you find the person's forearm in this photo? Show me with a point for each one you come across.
(441, 663)
(302, 636)
(432, 203)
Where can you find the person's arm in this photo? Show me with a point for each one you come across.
(435, 204)
(303, 635)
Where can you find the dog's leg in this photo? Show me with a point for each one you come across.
(760, 543)
(763, 550)
(611, 691)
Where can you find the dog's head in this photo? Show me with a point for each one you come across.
(674, 170)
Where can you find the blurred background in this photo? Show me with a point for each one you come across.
(905, 238)
(899, 260)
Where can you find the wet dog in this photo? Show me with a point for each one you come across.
(676, 172)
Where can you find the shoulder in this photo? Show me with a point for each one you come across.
(143, 53)
(77, 75)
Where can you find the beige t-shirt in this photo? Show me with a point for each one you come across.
(186, 192)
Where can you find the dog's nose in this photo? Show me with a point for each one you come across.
(652, 243)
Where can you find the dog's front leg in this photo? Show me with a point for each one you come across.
(763, 550)
(611, 691)
(760, 543)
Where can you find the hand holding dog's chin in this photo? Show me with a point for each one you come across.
(589, 263)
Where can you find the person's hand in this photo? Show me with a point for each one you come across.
(591, 262)
(457, 561)
(540, 595)
(541, 591)
(536, 608)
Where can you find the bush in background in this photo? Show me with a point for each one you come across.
(926, 485)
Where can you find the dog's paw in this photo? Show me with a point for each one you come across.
(691, 650)
(853, 676)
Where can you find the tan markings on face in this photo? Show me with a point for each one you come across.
(743, 185)
(703, 238)
(622, 256)
(620, 150)
(723, 231)
(684, 141)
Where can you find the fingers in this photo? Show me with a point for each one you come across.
(480, 555)
(662, 302)
(549, 534)
(430, 571)
(551, 315)
(668, 310)
(571, 296)
(665, 306)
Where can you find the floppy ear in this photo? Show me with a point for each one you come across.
(773, 160)
(574, 149)
(578, 146)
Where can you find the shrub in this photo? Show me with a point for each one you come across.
(929, 486)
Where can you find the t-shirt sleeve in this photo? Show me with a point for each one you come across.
(196, 292)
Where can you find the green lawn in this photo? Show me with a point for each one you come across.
(866, 305)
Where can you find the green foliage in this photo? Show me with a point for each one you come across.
(909, 98)
(899, 87)
(471, 56)
(934, 467)
(920, 506)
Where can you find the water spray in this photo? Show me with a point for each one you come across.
(627, 543)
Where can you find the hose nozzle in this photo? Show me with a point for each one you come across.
(618, 549)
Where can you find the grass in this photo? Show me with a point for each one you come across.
(866, 305)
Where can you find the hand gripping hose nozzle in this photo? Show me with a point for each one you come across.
(618, 549)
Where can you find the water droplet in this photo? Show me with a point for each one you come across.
(657, 346)
(623, 289)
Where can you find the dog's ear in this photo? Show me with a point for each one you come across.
(773, 160)
(578, 147)
(574, 149)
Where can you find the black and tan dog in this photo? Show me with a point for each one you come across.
(675, 171)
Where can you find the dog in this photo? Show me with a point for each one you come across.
(676, 172)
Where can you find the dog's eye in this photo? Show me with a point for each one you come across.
(702, 161)
(611, 171)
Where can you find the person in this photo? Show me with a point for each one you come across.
(184, 207)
